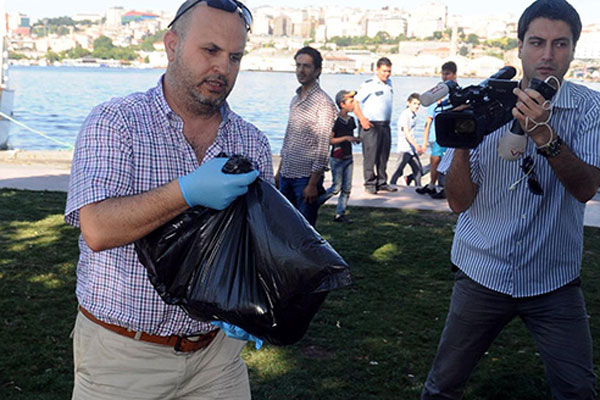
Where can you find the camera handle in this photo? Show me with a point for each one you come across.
(513, 143)
(546, 90)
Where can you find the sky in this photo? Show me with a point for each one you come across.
(589, 10)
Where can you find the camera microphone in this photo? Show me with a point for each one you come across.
(437, 93)
(511, 145)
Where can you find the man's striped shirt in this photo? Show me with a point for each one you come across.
(513, 241)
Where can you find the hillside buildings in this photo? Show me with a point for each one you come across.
(417, 40)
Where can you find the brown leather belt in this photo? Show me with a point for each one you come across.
(179, 343)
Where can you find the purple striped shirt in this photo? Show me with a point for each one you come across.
(128, 146)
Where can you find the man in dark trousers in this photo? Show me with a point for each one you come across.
(519, 238)
(374, 112)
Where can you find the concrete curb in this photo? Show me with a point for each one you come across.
(49, 170)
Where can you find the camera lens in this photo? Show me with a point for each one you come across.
(465, 126)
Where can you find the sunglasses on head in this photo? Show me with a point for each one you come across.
(225, 5)
(532, 183)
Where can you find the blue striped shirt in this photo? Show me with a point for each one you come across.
(515, 242)
(129, 146)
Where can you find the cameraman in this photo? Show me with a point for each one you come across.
(518, 252)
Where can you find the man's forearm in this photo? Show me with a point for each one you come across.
(359, 114)
(426, 131)
(460, 189)
(119, 221)
(314, 178)
(581, 180)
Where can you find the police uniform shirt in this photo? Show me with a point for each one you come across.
(375, 99)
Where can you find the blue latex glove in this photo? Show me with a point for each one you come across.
(209, 187)
(235, 332)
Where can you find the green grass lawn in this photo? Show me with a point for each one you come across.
(372, 340)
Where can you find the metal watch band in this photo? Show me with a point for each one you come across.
(552, 149)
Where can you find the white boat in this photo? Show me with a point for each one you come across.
(7, 93)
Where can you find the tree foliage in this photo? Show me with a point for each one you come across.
(148, 42)
(504, 43)
(59, 21)
(17, 56)
(473, 39)
(52, 56)
(363, 41)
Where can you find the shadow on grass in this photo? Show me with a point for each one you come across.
(38, 253)
(373, 340)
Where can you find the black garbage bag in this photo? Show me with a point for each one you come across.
(258, 264)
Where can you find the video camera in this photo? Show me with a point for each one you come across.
(490, 105)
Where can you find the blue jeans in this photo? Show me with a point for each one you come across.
(292, 189)
(557, 321)
(341, 174)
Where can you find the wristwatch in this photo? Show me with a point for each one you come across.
(551, 149)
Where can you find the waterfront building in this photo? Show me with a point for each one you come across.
(282, 26)
(19, 23)
(114, 16)
(394, 25)
(588, 46)
(427, 18)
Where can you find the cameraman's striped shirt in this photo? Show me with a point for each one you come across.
(515, 242)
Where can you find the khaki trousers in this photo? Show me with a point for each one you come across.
(110, 366)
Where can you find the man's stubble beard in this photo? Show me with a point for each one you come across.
(192, 99)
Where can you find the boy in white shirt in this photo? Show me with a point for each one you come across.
(408, 148)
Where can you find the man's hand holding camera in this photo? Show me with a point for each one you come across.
(533, 114)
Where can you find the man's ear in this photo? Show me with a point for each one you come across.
(519, 46)
(171, 40)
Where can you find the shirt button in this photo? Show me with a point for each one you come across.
(524, 216)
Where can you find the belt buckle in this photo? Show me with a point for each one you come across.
(177, 346)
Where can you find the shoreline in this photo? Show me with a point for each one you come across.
(53, 158)
(408, 75)
(50, 170)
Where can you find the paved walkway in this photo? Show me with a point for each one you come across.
(50, 171)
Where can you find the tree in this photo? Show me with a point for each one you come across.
(463, 51)
(148, 43)
(52, 56)
(103, 43)
(77, 52)
(381, 37)
(504, 43)
(437, 35)
(17, 56)
(473, 39)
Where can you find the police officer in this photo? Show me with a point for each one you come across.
(374, 111)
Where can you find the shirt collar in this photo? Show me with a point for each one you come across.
(312, 90)
(171, 115)
(161, 101)
(565, 97)
(379, 81)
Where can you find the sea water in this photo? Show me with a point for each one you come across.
(56, 100)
